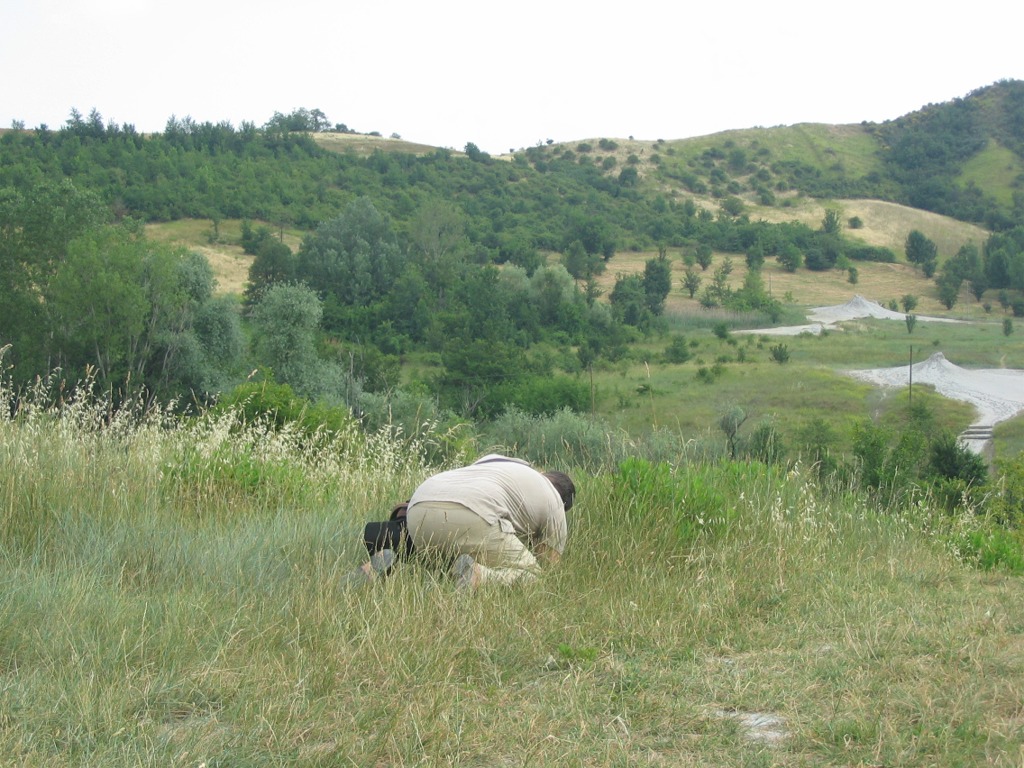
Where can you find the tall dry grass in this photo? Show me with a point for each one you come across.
(173, 595)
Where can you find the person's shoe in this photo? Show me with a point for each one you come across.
(378, 567)
(466, 573)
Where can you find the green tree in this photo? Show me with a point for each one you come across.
(949, 289)
(678, 351)
(476, 372)
(691, 281)
(99, 304)
(354, 257)
(274, 263)
(921, 251)
(790, 257)
(218, 329)
(755, 256)
(580, 264)
(657, 283)
(553, 295)
(629, 300)
(730, 423)
(704, 255)
(37, 227)
(437, 232)
(831, 224)
(286, 321)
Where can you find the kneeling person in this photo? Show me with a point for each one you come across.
(499, 517)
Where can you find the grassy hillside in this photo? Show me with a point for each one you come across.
(643, 391)
(365, 144)
(174, 596)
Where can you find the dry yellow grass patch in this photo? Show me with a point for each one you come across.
(884, 224)
(229, 262)
(363, 144)
(230, 267)
(877, 282)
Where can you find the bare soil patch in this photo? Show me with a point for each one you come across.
(997, 394)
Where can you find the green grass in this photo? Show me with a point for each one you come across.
(164, 604)
(995, 170)
(645, 391)
(815, 144)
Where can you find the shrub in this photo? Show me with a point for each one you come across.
(992, 549)
(546, 395)
(1007, 503)
(766, 444)
(655, 499)
(871, 253)
(278, 405)
(677, 351)
(780, 353)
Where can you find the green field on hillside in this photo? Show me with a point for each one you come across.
(174, 595)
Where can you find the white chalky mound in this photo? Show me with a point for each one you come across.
(997, 394)
(859, 307)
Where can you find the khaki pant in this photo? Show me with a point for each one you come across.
(449, 529)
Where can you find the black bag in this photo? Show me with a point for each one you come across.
(391, 534)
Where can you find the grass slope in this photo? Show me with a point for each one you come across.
(172, 597)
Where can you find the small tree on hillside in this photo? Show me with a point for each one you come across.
(704, 256)
(657, 283)
(691, 281)
(831, 224)
(949, 289)
(730, 423)
(790, 257)
(918, 247)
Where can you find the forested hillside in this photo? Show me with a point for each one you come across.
(484, 268)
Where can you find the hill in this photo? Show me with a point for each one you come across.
(480, 278)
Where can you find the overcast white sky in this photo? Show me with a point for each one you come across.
(502, 75)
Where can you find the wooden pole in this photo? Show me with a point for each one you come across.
(910, 395)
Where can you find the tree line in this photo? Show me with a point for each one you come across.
(439, 254)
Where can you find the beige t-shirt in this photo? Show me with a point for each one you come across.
(503, 491)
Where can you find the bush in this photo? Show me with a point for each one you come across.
(278, 405)
(657, 500)
(1007, 503)
(766, 444)
(677, 351)
(780, 353)
(871, 253)
(546, 395)
(995, 548)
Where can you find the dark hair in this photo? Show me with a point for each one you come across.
(565, 487)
